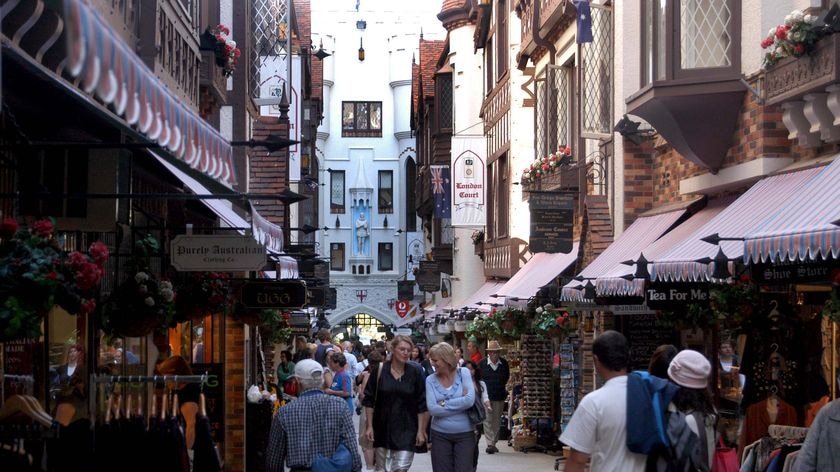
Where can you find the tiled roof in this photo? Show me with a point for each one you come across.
(415, 87)
(429, 54)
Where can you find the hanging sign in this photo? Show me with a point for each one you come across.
(274, 294)
(786, 272)
(552, 221)
(402, 307)
(209, 252)
(429, 276)
(405, 290)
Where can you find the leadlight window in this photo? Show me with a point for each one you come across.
(444, 97)
(337, 191)
(337, 255)
(386, 256)
(553, 110)
(361, 119)
(386, 191)
(597, 75)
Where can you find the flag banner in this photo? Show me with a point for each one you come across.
(584, 21)
(468, 181)
(442, 190)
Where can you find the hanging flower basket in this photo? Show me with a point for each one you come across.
(225, 50)
(36, 274)
(547, 165)
(201, 294)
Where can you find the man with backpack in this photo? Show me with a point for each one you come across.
(598, 427)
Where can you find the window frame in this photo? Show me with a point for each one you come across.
(650, 74)
(338, 251)
(336, 207)
(501, 50)
(385, 256)
(444, 109)
(369, 131)
(383, 190)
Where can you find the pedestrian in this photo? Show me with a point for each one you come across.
(324, 347)
(690, 370)
(450, 392)
(314, 424)
(473, 353)
(495, 372)
(820, 452)
(598, 427)
(480, 392)
(395, 405)
(341, 385)
(374, 359)
(661, 359)
(301, 349)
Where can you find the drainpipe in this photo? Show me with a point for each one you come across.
(535, 29)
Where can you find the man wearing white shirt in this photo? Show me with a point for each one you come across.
(598, 428)
(347, 347)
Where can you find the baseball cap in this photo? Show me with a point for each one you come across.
(309, 369)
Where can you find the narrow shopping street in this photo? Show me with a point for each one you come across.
(506, 460)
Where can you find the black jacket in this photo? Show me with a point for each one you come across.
(496, 380)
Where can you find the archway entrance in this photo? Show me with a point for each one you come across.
(363, 326)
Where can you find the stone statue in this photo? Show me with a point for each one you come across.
(361, 233)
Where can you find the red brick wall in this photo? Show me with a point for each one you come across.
(269, 171)
(234, 368)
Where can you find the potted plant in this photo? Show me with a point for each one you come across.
(547, 165)
(795, 37)
(553, 322)
(142, 302)
(224, 48)
(203, 293)
(37, 274)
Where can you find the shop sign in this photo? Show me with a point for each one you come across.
(300, 330)
(552, 221)
(785, 272)
(665, 296)
(316, 297)
(299, 319)
(214, 396)
(631, 310)
(402, 307)
(429, 276)
(208, 252)
(274, 294)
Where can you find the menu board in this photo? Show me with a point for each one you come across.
(644, 336)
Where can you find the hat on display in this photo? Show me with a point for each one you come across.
(309, 369)
(690, 369)
(493, 346)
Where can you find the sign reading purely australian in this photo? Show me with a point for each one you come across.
(552, 221)
(228, 253)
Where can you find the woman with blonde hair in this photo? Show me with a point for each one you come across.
(395, 406)
(450, 392)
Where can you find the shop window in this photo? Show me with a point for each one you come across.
(410, 195)
(498, 188)
(361, 119)
(553, 113)
(47, 177)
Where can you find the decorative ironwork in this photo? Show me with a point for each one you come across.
(597, 74)
(597, 173)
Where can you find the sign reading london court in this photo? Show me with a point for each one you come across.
(228, 253)
(274, 294)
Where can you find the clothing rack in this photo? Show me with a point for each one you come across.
(29, 380)
(778, 431)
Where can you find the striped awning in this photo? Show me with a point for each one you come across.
(488, 288)
(539, 271)
(629, 245)
(108, 69)
(611, 284)
(733, 224)
(802, 229)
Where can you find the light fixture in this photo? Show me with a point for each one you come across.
(321, 53)
(630, 130)
(361, 49)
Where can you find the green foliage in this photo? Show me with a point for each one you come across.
(498, 324)
(831, 309)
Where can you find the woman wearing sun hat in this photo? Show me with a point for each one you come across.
(691, 370)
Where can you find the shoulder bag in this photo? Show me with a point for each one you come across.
(476, 413)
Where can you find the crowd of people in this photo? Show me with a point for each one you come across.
(408, 400)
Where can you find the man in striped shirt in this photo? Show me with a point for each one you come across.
(313, 424)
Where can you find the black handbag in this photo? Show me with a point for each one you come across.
(476, 413)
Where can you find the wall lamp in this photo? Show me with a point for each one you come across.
(630, 129)
(321, 53)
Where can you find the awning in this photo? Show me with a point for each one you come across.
(611, 284)
(109, 70)
(219, 206)
(539, 271)
(489, 288)
(287, 267)
(735, 222)
(802, 228)
(638, 236)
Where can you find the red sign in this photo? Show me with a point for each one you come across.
(402, 307)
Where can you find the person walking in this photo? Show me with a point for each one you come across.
(395, 405)
(480, 392)
(341, 385)
(374, 359)
(450, 392)
(598, 427)
(690, 370)
(495, 372)
(314, 424)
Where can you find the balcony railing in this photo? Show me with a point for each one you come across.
(808, 90)
(504, 257)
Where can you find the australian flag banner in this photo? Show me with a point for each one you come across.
(442, 190)
(584, 21)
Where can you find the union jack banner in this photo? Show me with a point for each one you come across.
(442, 191)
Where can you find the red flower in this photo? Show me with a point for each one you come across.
(545, 167)
(88, 306)
(744, 279)
(766, 42)
(43, 228)
(8, 228)
(781, 32)
(567, 151)
(99, 252)
(799, 49)
(88, 276)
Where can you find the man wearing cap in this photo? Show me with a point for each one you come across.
(495, 373)
(598, 428)
(315, 423)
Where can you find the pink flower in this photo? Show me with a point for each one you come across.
(766, 42)
(76, 260)
(781, 32)
(8, 228)
(43, 228)
(88, 276)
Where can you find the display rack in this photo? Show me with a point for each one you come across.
(569, 380)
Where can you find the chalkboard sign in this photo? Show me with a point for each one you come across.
(552, 221)
(644, 336)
